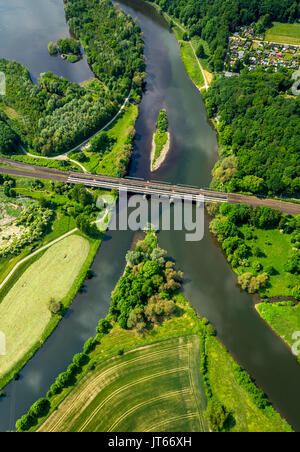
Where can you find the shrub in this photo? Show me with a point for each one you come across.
(54, 306)
(216, 415)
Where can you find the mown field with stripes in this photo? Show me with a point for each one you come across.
(157, 387)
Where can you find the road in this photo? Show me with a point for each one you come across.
(143, 187)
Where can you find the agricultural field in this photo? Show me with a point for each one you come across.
(283, 317)
(153, 388)
(33, 214)
(246, 416)
(191, 64)
(284, 33)
(161, 357)
(24, 311)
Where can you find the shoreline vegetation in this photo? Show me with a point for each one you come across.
(283, 318)
(70, 209)
(68, 48)
(262, 247)
(56, 115)
(161, 141)
(195, 63)
(161, 323)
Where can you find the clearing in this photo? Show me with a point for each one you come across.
(246, 416)
(283, 317)
(191, 64)
(284, 33)
(154, 388)
(24, 314)
(119, 131)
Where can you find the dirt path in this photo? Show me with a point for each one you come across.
(206, 85)
(79, 146)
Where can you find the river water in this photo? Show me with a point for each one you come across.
(210, 285)
(26, 28)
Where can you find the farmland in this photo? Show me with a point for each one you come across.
(153, 388)
(25, 307)
(108, 382)
(284, 33)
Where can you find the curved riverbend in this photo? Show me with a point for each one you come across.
(210, 285)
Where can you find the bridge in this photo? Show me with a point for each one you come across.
(141, 186)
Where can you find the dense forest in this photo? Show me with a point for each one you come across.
(214, 21)
(259, 133)
(55, 115)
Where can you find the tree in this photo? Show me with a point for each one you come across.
(216, 415)
(68, 45)
(40, 408)
(52, 48)
(134, 257)
(24, 423)
(9, 140)
(83, 224)
(80, 359)
(136, 320)
(200, 52)
(54, 306)
(103, 326)
(101, 143)
(293, 263)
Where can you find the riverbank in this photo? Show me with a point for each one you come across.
(37, 279)
(246, 409)
(200, 76)
(283, 318)
(159, 151)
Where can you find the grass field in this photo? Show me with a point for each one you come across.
(24, 314)
(131, 383)
(119, 130)
(275, 248)
(284, 33)
(154, 388)
(283, 317)
(191, 64)
(247, 416)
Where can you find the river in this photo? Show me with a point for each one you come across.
(210, 285)
(27, 27)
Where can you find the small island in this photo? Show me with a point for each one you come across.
(161, 141)
(68, 48)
